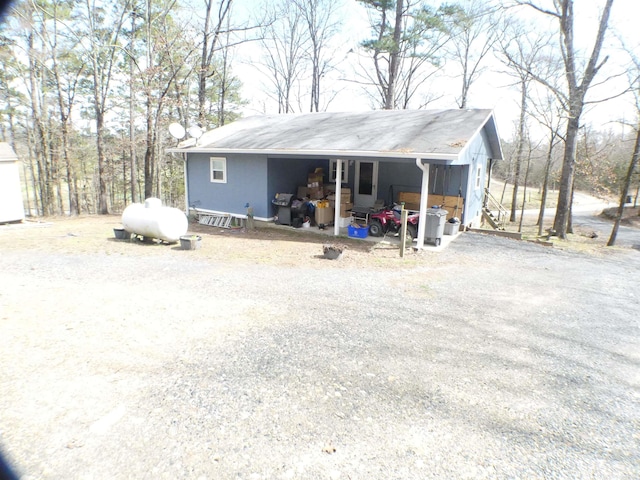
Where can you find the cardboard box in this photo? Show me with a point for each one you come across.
(324, 215)
(343, 205)
(303, 192)
(331, 188)
(345, 209)
(315, 193)
(344, 198)
(316, 178)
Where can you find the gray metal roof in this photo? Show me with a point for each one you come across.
(426, 134)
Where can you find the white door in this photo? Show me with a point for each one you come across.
(366, 184)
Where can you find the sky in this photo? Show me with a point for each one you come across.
(492, 90)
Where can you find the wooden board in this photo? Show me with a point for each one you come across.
(453, 205)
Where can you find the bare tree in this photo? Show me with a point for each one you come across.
(322, 24)
(218, 34)
(548, 114)
(520, 50)
(211, 34)
(578, 83)
(473, 30)
(285, 42)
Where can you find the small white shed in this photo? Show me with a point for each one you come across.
(11, 206)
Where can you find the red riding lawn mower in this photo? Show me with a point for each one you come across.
(387, 220)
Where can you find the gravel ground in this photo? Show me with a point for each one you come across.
(254, 358)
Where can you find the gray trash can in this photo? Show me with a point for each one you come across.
(451, 228)
(434, 229)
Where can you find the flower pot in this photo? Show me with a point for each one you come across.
(190, 242)
(121, 234)
(332, 252)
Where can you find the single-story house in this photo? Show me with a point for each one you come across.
(11, 205)
(421, 157)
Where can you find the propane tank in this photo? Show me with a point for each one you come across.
(152, 220)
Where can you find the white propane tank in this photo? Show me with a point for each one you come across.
(152, 220)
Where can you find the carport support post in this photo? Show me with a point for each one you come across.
(424, 198)
(186, 188)
(336, 212)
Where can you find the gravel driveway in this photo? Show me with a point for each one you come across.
(254, 358)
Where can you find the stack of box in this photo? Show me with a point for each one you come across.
(345, 205)
(323, 213)
(315, 185)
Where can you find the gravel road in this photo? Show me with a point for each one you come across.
(254, 358)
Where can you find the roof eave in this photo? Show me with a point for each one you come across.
(496, 146)
(448, 157)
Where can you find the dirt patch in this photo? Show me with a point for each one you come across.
(263, 245)
(630, 216)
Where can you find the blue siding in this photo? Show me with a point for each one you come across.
(397, 177)
(477, 155)
(253, 179)
(407, 177)
(246, 182)
(447, 180)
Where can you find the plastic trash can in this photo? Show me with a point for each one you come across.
(434, 229)
(451, 228)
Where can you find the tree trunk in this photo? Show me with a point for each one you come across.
(577, 91)
(389, 102)
(40, 141)
(566, 178)
(545, 187)
(148, 158)
(133, 167)
(625, 189)
(73, 195)
(524, 191)
(520, 150)
(570, 215)
(103, 201)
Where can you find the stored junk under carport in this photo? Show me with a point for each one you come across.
(423, 158)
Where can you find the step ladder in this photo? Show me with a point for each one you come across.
(222, 220)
